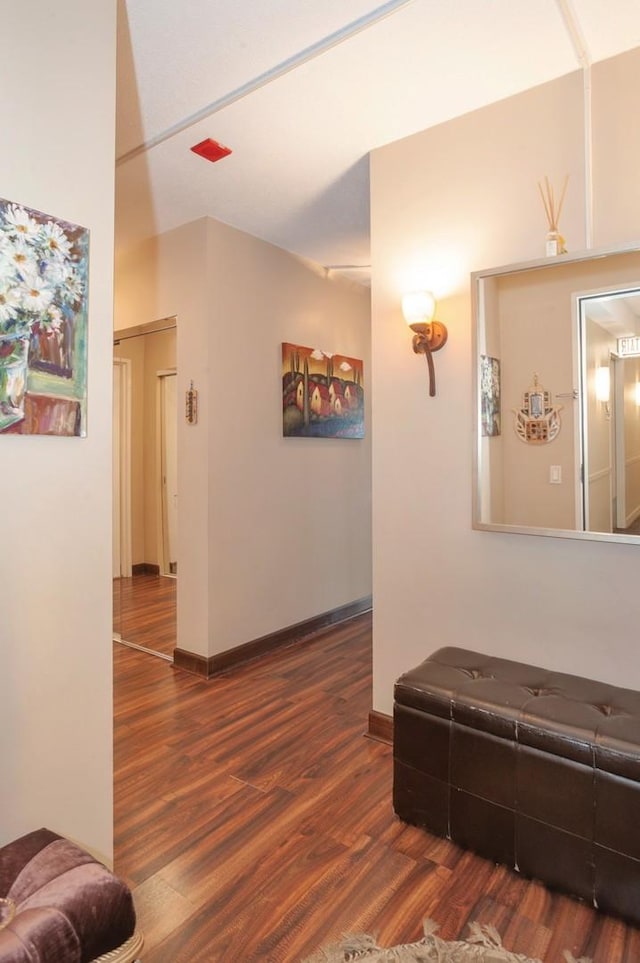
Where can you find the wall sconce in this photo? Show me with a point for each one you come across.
(418, 309)
(637, 394)
(603, 388)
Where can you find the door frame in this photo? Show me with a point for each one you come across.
(161, 488)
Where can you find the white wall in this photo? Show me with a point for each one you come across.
(460, 197)
(272, 530)
(57, 75)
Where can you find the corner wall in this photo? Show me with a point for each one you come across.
(453, 199)
(57, 75)
(290, 529)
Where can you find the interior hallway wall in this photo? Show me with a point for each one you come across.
(57, 75)
(457, 198)
(277, 530)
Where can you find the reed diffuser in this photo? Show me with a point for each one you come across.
(555, 240)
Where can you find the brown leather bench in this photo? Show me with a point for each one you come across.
(535, 769)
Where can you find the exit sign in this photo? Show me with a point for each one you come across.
(628, 346)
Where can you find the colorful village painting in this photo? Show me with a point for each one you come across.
(322, 394)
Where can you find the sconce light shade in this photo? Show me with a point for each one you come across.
(418, 307)
(603, 384)
(638, 393)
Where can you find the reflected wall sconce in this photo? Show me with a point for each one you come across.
(603, 388)
(418, 308)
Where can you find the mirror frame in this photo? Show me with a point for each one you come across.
(477, 278)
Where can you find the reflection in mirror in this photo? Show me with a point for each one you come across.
(145, 487)
(557, 447)
(610, 352)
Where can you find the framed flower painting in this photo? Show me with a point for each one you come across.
(43, 323)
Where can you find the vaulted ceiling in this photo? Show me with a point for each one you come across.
(301, 91)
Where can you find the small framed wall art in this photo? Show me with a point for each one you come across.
(491, 418)
(322, 394)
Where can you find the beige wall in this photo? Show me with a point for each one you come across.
(274, 530)
(452, 199)
(616, 149)
(537, 339)
(57, 75)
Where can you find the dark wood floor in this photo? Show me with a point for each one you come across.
(254, 821)
(144, 611)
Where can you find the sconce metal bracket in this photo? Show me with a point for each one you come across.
(427, 339)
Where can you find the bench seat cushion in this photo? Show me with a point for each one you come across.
(69, 908)
(551, 711)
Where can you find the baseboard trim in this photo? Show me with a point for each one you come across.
(301, 631)
(145, 568)
(380, 727)
(190, 662)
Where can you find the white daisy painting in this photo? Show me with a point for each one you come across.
(43, 323)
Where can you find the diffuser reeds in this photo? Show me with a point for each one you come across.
(555, 241)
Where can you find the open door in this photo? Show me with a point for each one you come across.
(168, 409)
(122, 561)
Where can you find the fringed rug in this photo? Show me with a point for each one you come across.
(483, 945)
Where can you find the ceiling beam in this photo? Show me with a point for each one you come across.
(274, 73)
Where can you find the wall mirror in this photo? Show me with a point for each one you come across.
(557, 389)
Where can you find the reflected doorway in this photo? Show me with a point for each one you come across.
(145, 488)
(168, 472)
(610, 409)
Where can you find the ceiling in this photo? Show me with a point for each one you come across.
(301, 91)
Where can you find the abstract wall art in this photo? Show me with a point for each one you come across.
(322, 394)
(490, 395)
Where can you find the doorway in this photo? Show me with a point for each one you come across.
(145, 488)
(168, 481)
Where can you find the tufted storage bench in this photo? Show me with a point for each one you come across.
(60, 905)
(535, 769)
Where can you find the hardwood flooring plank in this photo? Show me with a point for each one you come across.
(254, 821)
(161, 911)
(144, 611)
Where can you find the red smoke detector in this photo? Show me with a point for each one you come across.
(211, 150)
